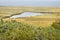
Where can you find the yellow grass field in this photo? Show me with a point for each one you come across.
(8, 11)
(44, 20)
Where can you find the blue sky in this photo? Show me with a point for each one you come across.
(52, 3)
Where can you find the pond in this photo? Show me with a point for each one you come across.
(26, 14)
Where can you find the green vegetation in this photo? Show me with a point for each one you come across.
(12, 30)
(56, 25)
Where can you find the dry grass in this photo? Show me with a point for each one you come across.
(8, 11)
(44, 20)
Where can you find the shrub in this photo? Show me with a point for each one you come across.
(12, 30)
(56, 25)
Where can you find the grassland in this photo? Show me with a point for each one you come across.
(44, 20)
(44, 27)
(8, 11)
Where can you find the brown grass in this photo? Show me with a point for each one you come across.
(8, 11)
(44, 20)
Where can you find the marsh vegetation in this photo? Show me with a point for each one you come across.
(12, 30)
(30, 28)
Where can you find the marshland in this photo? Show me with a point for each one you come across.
(29, 23)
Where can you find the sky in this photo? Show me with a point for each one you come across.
(50, 3)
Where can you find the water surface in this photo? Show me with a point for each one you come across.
(26, 14)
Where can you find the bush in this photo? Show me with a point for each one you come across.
(12, 30)
(56, 25)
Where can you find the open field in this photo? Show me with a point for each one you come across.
(43, 27)
(43, 20)
(8, 11)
